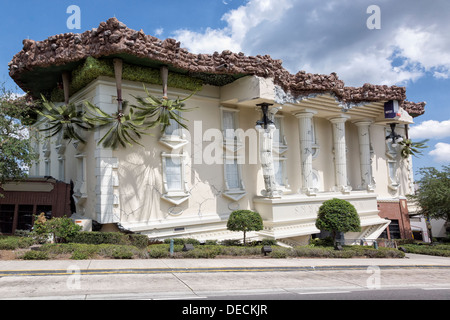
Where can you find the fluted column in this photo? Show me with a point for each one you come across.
(340, 154)
(364, 154)
(306, 141)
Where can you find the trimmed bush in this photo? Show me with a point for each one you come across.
(158, 251)
(244, 220)
(442, 250)
(139, 240)
(13, 243)
(35, 255)
(337, 215)
(183, 241)
(96, 237)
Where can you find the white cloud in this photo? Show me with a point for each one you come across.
(318, 38)
(239, 21)
(441, 152)
(208, 42)
(159, 32)
(430, 129)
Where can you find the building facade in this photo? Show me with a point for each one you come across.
(257, 138)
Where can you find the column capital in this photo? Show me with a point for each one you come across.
(339, 119)
(305, 113)
(361, 123)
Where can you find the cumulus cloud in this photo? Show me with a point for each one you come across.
(333, 37)
(441, 152)
(430, 129)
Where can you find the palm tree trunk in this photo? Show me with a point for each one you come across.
(118, 64)
(164, 77)
(66, 83)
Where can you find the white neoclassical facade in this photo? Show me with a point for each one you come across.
(263, 140)
(185, 183)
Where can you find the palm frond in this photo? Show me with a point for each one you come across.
(164, 110)
(124, 128)
(63, 118)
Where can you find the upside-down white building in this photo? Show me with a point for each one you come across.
(257, 138)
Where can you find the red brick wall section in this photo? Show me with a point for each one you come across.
(397, 210)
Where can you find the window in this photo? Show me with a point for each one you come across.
(47, 210)
(173, 136)
(232, 174)
(25, 217)
(174, 181)
(234, 187)
(228, 124)
(173, 174)
(6, 218)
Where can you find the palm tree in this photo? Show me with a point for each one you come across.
(163, 109)
(64, 117)
(125, 128)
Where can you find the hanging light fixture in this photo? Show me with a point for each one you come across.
(265, 122)
(393, 137)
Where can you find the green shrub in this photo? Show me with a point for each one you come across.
(122, 252)
(231, 242)
(96, 237)
(337, 215)
(434, 250)
(203, 253)
(182, 241)
(13, 243)
(139, 240)
(280, 253)
(244, 220)
(35, 255)
(84, 251)
(63, 229)
(158, 251)
(268, 242)
(324, 242)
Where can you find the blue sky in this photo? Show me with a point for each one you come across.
(411, 48)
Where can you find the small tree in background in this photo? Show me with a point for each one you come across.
(244, 220)
(337, 215)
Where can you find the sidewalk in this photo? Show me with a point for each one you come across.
(211, 265)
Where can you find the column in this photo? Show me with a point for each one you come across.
(266, 158)
(306, 136)
(340, 154)
(364, 154)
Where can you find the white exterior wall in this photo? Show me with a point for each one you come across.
(126, 185)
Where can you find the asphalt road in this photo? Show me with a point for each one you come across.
(273, 283)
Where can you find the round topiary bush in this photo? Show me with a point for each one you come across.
(245, 220)
(337, 215)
